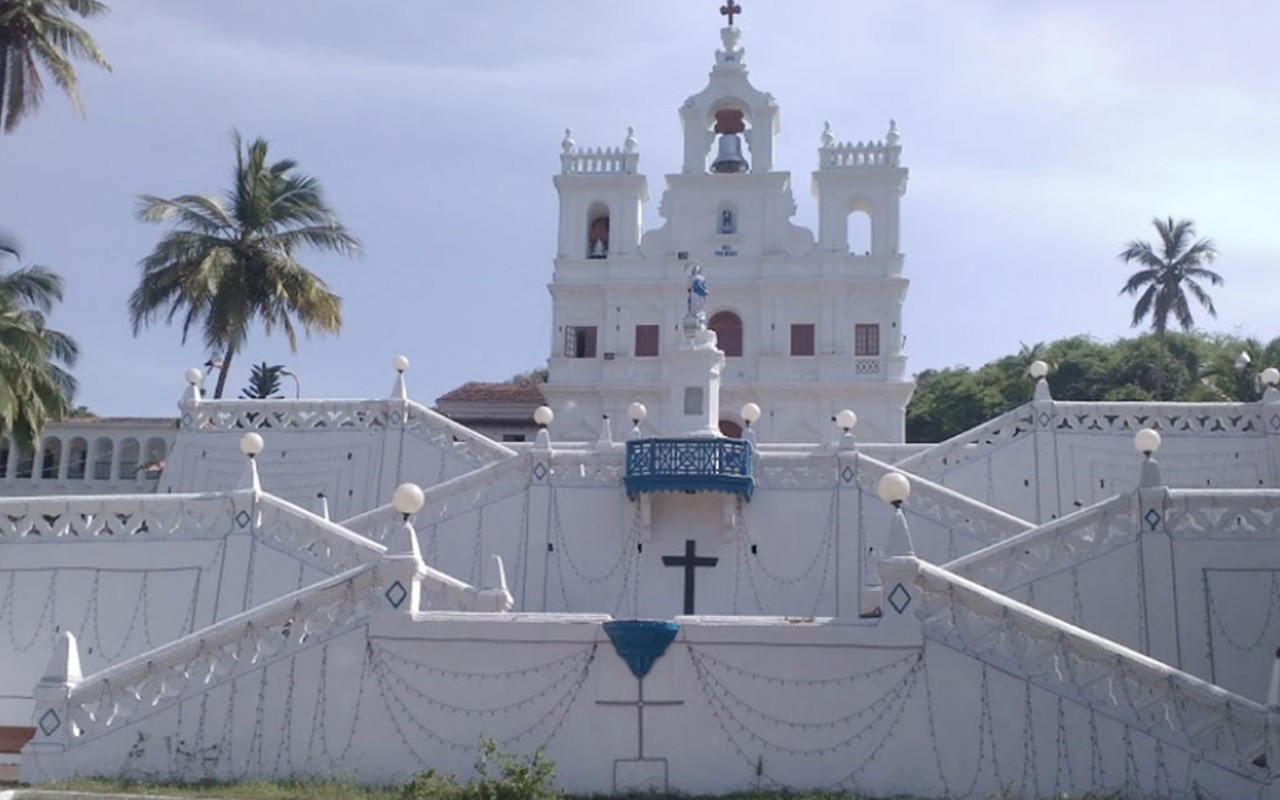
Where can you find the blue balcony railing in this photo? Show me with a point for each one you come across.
(689, 465)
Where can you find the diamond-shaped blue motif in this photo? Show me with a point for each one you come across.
(1152, 517)
(187, 420)
(242, 518)
(395, 594)
(49, 722)
(899, 598)
(846, 474)
(539, 471)
(1044, 418)
(1275, 422)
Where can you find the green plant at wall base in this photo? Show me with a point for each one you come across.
(499, 776)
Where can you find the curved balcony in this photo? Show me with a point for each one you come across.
(689, 465)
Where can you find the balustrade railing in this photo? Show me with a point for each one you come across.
(447, 500)
(711, 464)
(946, 507)
(863, 155)
(117, 517)
(1053, 547)
(416, 419)
(599, 161)
(973, 444)
(1129, 418)
(1220, 514)
(1171, 705)
(333, 546)
(147, 683)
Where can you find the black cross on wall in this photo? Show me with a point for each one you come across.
(690, 561)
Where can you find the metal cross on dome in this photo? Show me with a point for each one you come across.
(729, 9)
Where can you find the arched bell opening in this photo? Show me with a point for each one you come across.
(858, 229)
(598, 231)
(729, 155)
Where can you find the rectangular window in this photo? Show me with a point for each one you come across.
(580, 341)
(802, 340)
(646, 341)
(513, 437)
(866, 340)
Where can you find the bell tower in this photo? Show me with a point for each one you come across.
(728, 111)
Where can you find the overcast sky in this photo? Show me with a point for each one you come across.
(1040, 137)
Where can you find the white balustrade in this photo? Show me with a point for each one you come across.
(142, 685)
(599, 161)
(863, 155)
(1221, 727)
(117, 517)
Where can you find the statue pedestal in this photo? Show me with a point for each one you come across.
(692, 376)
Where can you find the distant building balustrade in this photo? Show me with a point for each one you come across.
(689, 465)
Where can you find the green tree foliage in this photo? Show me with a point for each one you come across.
(264, 382)
(232, 261)
(1188, 367)
(35, 385)
(1168, 271)
(40, 35)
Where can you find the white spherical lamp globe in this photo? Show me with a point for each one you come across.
(750, 413)
(1147, 441)
(1270, 376)
(251, 444)
(846, 419)
(637, 412)
(194, 376)
(408, 498)
(544, 416)
(400, 363)
(1038, 369)
(893, 488)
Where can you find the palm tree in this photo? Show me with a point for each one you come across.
(41, 33)
(231, 261)
(35, 386)
(1165, 278)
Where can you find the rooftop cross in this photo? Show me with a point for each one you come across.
(729, 9)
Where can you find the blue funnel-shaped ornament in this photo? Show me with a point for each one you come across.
(640, 642)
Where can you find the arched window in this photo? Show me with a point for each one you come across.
(102, 452)
(77, 458)
(728, 328)
(858, 227)
(52, 458)
(154, 462)
(130, 452)
(598, 231)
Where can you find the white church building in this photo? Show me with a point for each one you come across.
(1071, 598)
(807, 326)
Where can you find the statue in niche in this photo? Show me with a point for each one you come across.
(728, 224)
(697, 302)
(598, 238)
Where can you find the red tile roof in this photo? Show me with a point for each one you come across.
(478, 392)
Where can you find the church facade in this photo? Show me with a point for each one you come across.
(809, 324)
(364, 588)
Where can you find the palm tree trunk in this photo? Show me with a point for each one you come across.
(222, 374)
(1160, 363)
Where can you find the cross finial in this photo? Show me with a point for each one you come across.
(729, 9)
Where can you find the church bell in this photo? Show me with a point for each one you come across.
(729, 157)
